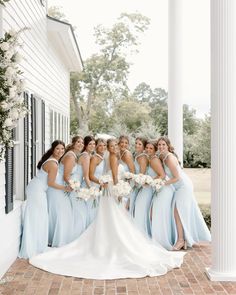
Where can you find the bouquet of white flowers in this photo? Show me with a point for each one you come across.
(75, 185)
(157, 184)
(121, 189)
(143, 179)
(129, 175)
(105, 179)
(87, 193)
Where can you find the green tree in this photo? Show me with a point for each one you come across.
(105, 73)
(131, 113)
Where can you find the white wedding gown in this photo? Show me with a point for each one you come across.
(111, 248)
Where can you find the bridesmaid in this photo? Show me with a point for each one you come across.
(126, 159)
(144, 196)
(73, 171)
(60, 205)
(84, 161)
(35, 225)
(160, 210)
(96, 168)
(189, 225)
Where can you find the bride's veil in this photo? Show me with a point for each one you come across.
(107, 166)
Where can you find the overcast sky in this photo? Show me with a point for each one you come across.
(150, 65)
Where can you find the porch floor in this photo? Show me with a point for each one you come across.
(22, 278)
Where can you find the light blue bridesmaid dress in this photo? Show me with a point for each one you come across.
(34, 238)
(134, 192)
(61, 222)
(161, 217)
(93, 207)
(126, 169)
(142, 205)
(79, 207)
(195, 228)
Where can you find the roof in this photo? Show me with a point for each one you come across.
(63, 37)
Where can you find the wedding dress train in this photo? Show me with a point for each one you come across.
(111, 248)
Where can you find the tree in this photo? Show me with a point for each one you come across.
(131, 113)
(105, 73)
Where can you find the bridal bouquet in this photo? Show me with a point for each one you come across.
(121, 189)
(87, 193)
(105, 179)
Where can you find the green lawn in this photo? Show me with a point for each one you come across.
(201, 178)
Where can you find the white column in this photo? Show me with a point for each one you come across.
(175, 79)
(223, 101)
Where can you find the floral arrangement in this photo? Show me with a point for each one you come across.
(2, 2)
(121, 189)
(87, 193)
(141, 180)
(157, 184)
(12, 85)
(105, 179)
(129, 175)
(75, 185)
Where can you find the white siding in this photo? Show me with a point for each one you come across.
(47, 77)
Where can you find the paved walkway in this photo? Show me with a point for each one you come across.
(23, 278)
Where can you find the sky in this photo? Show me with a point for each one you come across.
(150, 65)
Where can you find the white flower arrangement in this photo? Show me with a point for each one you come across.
(121, 189)
(89, 193)
(129, 175)
(12, 85)
(143, 179)
(157, 184)
(105, 179)
(75, 185)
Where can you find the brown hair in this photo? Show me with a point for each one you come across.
(142, 139)
(152, 142)
(87, 140)
(71, 145)
(111, 140)
(123, 137)
(49, 153)
(169, 145)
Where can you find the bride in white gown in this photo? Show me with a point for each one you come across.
(112, 247)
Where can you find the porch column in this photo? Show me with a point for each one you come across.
(175, 88)
(223, 107)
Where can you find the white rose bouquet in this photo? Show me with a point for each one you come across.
(89, 193)
(157, 184)
(121, 189)
(105, 179)
(75, 185)
(142, 179)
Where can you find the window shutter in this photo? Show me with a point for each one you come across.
(9, 187)
(43, 125)
(33, 136)
(26, 143)
(51, 126)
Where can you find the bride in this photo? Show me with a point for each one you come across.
(112, 247)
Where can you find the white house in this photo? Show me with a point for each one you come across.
(50, 53)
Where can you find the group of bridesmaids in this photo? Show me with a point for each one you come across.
(54, 216)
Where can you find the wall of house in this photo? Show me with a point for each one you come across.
(47, 78)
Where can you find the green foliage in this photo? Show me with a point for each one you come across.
(206, 212)
(197, 146)
(2, 2)
(131, 113)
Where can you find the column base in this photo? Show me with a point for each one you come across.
(220, 276)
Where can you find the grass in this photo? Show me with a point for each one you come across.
(201, 178)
